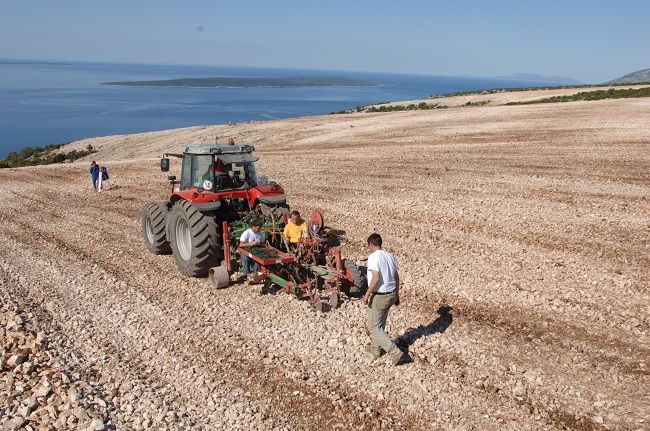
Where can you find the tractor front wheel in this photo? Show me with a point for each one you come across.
(154, 217)
(195, 239)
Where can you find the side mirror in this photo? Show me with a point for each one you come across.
(164, 164)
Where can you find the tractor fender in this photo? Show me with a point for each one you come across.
(273, 199)
(190, 196)
(208, 206)
(270, 195)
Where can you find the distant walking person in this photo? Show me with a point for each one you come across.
(103, 178)
(383, 293)
(94, 174)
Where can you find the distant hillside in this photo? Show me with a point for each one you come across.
(533, 77)
(631, 78)
(226, 82)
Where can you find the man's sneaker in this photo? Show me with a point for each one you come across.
(237, 277)
(256, 278)
(396, 356)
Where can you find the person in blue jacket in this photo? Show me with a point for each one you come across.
(94, 174)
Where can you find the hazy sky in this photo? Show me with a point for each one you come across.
(592, 41)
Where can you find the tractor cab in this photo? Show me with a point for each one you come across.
(216, 167)
(212, 173)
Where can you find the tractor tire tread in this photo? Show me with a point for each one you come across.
(206, 240)
(157, 215)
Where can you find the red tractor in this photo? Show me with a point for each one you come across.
(219, 195)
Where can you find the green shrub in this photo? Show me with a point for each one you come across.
(510, 89)
(32, 156)
(477, 103)
(592, 95)
(410, 107)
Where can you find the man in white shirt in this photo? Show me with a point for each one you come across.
(383, 292)
(251, 237)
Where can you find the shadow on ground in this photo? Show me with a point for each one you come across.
(439, 325)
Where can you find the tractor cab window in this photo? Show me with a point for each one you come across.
(209, 172)
(197, 171)
(237, 175)
(250, 175)
(224, 178)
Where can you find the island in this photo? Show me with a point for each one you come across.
(232, 82)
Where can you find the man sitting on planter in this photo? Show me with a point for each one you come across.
(251, 237)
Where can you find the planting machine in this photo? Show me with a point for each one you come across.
(217, 198)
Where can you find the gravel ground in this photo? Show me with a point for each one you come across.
(523, 238)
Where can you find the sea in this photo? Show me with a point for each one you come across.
(58, 102)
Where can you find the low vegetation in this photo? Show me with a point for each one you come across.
(477, 103)
(32, 156)
(380, 107)
(512, 89)
(611, 93)
(410, 107)
(589, 95)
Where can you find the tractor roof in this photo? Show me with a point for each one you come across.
(218, 149)
(227, 153)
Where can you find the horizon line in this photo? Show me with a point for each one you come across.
(69, 61)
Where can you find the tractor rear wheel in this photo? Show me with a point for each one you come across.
(154, 217)
(195, 239)
(359, 284)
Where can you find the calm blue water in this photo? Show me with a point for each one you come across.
(51, 103)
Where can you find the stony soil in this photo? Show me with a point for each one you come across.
(523, 239)
(45, 387)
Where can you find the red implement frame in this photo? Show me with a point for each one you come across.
(226, 245)
(280, 257)
(333, 273)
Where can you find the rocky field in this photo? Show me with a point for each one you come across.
(523, 239)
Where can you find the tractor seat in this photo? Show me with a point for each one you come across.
(223, 182)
